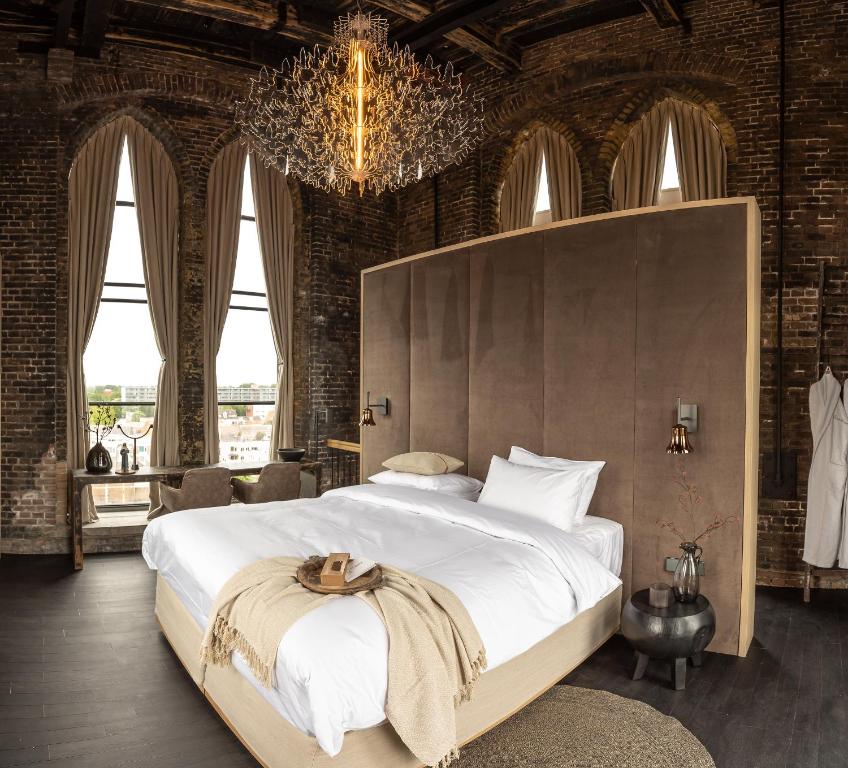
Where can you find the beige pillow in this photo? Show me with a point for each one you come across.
(423, 463)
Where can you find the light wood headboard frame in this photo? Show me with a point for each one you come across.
(573, 339)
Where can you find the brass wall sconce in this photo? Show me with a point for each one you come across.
(687, 421)
(367, 417)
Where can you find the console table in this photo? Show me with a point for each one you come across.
(79, 479)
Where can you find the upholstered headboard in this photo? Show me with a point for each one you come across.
(574, 340)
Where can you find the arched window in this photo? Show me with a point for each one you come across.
(674, 153)
(542, 183)
(246, 363)
(121, 361)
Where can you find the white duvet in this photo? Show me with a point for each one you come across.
(520, 580)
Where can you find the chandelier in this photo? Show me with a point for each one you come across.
(359, 112)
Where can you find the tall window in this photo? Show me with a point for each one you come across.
(542, 209)
(247, 359)
(122, 361)
(670, 184)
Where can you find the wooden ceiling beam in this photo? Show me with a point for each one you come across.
(446, 19)
(290, 20)
(94, 24)
(667, 13)
(501, 55)
(64, 13)
(260, 14)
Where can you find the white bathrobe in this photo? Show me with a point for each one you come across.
(828, 474)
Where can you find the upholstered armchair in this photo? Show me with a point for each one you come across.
(277, 482)
(202, 487)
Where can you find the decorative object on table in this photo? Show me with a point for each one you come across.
(125, 462)
(291, 454)
(359, 112)
(686, 575)
(135, 439)
(677, 633)
(201, 488)
(659, 595)
(687, 422)
(571, 727)
(309, 575)
(333, 571)
(687, 582)
(102, 419)
(280, 481)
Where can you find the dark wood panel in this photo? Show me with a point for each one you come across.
(590, 359)
(385, 363)
(691, 336)
(439, 355)
(506, 348)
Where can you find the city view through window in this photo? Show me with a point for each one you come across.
(122, 360)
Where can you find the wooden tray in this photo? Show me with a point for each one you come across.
(309, 574)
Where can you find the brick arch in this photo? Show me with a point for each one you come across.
(151, 121)
(646, 100)
(522, 136)
(699, 70)
(140, 84)
(295, 187)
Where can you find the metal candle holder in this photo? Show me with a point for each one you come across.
(135, 439)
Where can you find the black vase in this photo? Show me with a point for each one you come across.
(98, 460)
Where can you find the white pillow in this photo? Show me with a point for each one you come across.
(451, 484)
(545, 494)
(588, 469)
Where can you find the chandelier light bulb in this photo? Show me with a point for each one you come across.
(359, 112)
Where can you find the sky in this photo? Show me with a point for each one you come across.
(122, 348)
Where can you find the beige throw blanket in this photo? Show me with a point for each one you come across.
(435, 652)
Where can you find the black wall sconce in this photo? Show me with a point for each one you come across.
(367, 417)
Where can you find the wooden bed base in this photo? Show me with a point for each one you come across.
(275, 743)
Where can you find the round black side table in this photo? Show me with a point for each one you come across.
(676, 633)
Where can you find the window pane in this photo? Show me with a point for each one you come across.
(247, 354)
(125, 190)
(122, 350)
(122, 292)
(245, 432)
(670, 178)
(543, 201)
(249, 275)
(123, 264)
(241, 300)
(247, 208)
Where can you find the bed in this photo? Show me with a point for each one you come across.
(543, 600)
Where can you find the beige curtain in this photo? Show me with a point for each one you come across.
(699, 152)
(638, 170)
(275, 225)
(223, 217)
(564, 186)
(92, 188)
(518, 197)
(157, 208)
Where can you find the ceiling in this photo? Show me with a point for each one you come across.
(467, 32)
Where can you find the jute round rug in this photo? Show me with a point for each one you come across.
(573, 727)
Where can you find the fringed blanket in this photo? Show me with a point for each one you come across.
(435, 652)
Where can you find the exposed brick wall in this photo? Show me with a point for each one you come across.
(593, 85)
(187, 105)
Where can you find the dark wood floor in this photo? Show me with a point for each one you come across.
(86, 680)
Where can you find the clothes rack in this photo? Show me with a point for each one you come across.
(810, 571)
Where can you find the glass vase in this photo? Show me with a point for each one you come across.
(686, 580)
